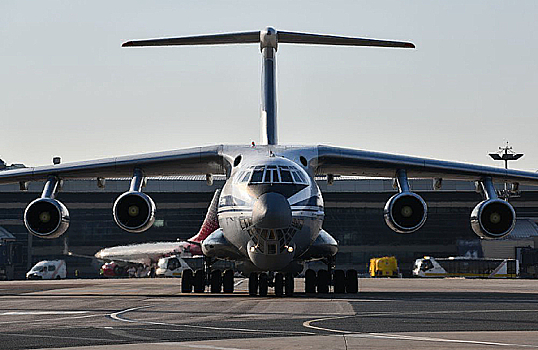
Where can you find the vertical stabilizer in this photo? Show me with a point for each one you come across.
(211, 222)
(269, 40)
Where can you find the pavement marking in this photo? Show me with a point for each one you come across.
(238, 283)
(117, 316)
(437, 340)
(61, 337)
(202, 346)
(52, 319)
(43, 313)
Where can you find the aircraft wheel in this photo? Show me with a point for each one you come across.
(323, 281)
(352, 282)
(289, 284)
(118, 271)
(339, 281)
(228, 281)
(216, 281)
(263, 284)
(310, 281)
(253, 283)
(199, 281)
(186, 281)
(279, 284)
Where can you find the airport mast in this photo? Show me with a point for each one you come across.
(506, 154)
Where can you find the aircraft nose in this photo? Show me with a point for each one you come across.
(271, 210)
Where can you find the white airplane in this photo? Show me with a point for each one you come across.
(271, 209)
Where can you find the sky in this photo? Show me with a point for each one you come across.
(69, 89)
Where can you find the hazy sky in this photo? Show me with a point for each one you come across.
(68, 88)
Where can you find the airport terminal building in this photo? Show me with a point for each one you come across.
(353, 215)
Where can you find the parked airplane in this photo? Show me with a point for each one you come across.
(271, 209)
(118, 259)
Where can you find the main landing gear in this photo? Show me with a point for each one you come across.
(342, 281)
(217, 280)
(259, 283)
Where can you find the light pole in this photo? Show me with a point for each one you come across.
(506, 154)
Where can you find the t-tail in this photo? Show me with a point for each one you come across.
(268, 40)
(211, 222)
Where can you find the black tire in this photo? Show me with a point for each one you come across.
(289, 284)
(352, 282)
(279, 284)
(253, 284)
(323, 281)
(186, 281)
(118, 271)
(339, 281)
(216, 281)
(310, 281)
(263, 286)
(228, 281)
(199, 281)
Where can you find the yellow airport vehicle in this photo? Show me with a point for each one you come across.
(386, 266)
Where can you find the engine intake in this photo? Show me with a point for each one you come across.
(405, 212)
(493, 218)
(134, 211)
(46, 218)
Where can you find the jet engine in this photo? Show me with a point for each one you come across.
(46, 218)
(405, 212)
(134, 211)
(493, 218)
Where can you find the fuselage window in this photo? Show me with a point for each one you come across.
(286, 175)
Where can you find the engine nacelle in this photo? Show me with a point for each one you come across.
(405, 212)
(46, 218)
(493, 218)
(134, 211)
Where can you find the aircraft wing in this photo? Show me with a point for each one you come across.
(191, 161)
(351, 162)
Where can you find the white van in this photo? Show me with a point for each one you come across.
(48, 270)
(171, 266)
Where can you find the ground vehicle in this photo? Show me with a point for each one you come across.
(386, 266)
(465, 267)
(48, 270)
(171, 266)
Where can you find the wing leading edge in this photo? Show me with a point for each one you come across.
(345, 161)
(191, 161)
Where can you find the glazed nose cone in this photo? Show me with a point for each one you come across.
(271, 210)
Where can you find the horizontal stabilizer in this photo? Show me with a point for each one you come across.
(316, 39)
(256, 37)
(214, 39)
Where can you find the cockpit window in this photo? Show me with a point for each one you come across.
(245, 177)
(274, 174)
(257, 176)
(286, 176)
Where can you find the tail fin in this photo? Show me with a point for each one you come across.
(211, 222)
(268, 40)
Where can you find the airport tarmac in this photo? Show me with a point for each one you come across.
(149, 314)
